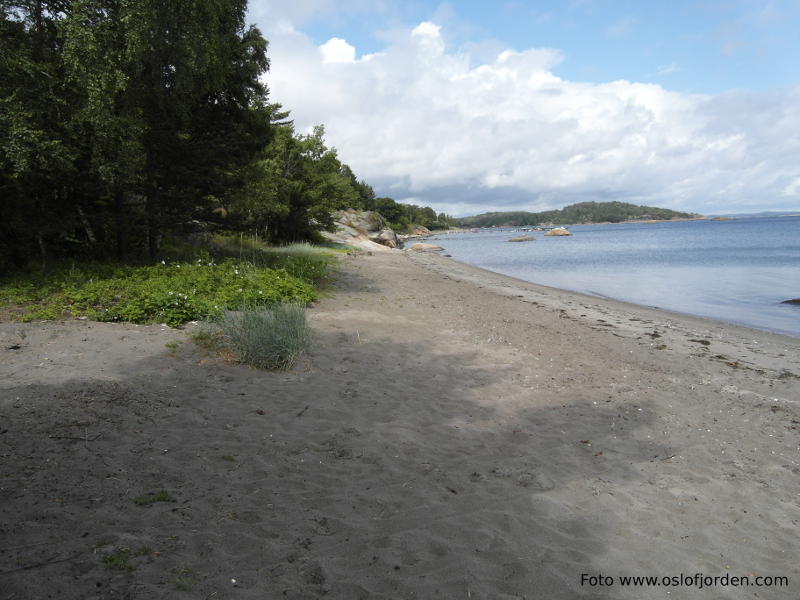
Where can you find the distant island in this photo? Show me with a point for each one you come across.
(582, 212)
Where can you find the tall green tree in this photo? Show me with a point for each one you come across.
(36, 157)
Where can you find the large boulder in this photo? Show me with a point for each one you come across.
(364, 228)
(420, 247)
(363, 221)
(387, 237)
(792, 301)
(559, 231)
(419, 231)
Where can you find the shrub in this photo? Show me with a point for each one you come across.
(172, 293)
(267, 337)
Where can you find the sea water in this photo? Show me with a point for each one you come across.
(737, 271)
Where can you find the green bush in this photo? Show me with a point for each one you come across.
(266, 337)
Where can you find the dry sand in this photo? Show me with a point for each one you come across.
(451, 434)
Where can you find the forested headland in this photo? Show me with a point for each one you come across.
(125, 122)
(582, 212)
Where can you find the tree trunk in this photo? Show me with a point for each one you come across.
(87, 227)
(42, 248)
(119, 224)
(153, 227)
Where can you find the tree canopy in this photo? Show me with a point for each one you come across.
(123, 121)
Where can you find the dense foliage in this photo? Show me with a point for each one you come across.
(126, 122)
(171, 292)
(583, 212)
(402, 217)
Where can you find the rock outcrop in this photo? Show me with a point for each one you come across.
(419, 231)
(522, 238)
(792, 301)
(363, 228)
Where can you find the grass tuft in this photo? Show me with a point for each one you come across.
(153, 497)
(267, 337)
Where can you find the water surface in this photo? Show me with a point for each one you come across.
(737, 271)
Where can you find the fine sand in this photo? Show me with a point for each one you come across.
(451, 434)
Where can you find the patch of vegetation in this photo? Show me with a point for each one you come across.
(229, 457)
(119, 560)
(266, 337)
(171, 293)
(153, 497)
(311, 263)
(209, 337)
(184, 579)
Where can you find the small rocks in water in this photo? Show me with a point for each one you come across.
(792, 301)
(522, 238)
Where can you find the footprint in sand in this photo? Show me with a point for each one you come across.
(535, 481)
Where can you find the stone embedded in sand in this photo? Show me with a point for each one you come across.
(792, 301)
(522, 238)
(420, 247)
(559, 231)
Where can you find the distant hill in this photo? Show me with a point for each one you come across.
(582, 212)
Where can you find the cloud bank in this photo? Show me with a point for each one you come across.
(426, 124)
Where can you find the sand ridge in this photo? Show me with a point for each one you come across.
(451, 434)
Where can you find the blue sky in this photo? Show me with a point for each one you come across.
(472, 106)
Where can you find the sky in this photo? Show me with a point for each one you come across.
(476, 106)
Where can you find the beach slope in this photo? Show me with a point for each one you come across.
(452, 433)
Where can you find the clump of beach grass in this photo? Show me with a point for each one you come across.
(266, 337)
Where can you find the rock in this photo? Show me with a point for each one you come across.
(419, 230)
(420, 247)
(559, 231)
(387, 237)
(522, 238)
(363, 221)
(363, 228)
(792, 301)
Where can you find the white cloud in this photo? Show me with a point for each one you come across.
(793, 188)
(337, 50)
(467, 135)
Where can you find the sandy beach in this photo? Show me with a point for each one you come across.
(452, 433)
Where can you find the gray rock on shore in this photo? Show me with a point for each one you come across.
(421, 247)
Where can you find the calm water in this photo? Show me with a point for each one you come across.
(737, 271)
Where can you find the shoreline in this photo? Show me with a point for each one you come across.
(768, 314)
(443, 437)
(587, 308)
